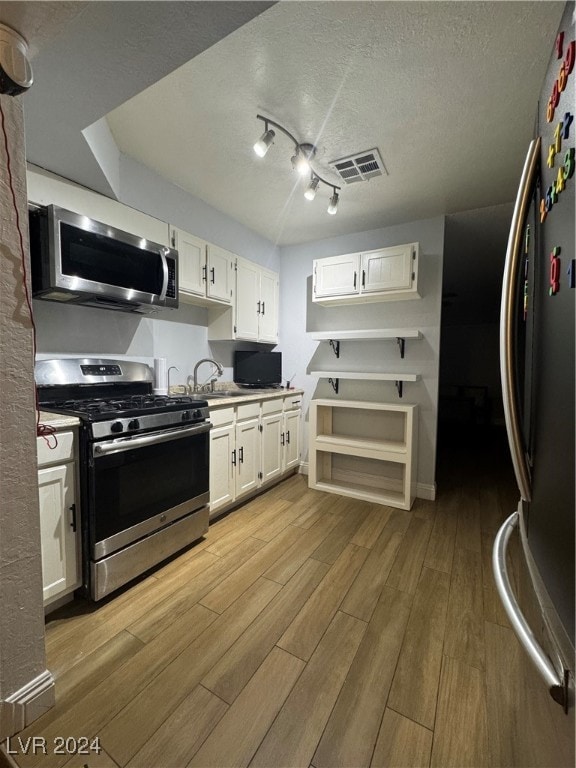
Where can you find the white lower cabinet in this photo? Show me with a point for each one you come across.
(252, 444)
(247, 456)
(59, 518)
(222, 475)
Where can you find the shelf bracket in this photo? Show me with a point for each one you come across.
(401, 344)
(335, 346)
(399, 387)
(334, 383)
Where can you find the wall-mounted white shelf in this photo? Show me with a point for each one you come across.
(364, 450)
(371, 334)
(334, 376)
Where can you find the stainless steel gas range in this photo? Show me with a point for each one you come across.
(144, 465)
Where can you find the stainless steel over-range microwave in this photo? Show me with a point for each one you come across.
(77, 260)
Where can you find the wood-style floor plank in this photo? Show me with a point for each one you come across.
(352, 729)
(229, 675)
(354, 514)
(296, 555)
(229, 589)
(92, 760)
(368, 533)
(180, 736)
(192, 589)
(440, 550)
(461, 729)
(292, 739)
(87, 715)
(402, 743)
(405, 572)
(305, 631)
(238, 735)
(126, 733)
(367, 587)
(464, 637)
(415, 686)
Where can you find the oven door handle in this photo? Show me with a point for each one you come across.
(130, 443)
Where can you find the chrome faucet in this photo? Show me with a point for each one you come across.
(219, 371)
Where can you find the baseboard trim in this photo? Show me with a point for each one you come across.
(26, 704)
(426, 491)
(303, 469)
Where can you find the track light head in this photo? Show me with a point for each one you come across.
(310, 192)
(301, 160)
(264, 142)
(333, 204)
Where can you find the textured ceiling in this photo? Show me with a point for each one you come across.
(446, 91)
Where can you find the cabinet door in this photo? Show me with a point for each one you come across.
(248, 456)
(191, 262)
(221, 467)
(291, 439)
(219, 277)
(268, 318)
(247, 298)
(336, 275)
(59, 540)
(271, 446)
(388, 269)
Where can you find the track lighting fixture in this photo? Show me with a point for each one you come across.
(301, 160)
(310, 193)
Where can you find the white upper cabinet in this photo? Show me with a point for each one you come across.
(205, 270)
(336, 275)
(47, 189)
(219, 273)
(268, 310)
(385, 274)
(247, 300)
(255, 315)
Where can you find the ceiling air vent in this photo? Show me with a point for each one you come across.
(362, 166)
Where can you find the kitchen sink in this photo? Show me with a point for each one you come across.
(224, 393)
(234, 393)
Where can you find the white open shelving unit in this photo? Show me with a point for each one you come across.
(364, 450)
(372, 334)
(334, 376)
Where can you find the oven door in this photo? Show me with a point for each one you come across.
(140, 484)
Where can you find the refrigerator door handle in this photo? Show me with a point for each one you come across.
(556, 685)
(507, 316)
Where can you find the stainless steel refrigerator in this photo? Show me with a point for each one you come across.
(537, 367)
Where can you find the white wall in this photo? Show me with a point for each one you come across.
(299, 316)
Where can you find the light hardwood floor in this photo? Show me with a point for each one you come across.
(305, 630)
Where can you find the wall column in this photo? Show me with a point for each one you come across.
(26, 687)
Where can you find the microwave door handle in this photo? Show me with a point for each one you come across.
(163, 253)
(507, 324)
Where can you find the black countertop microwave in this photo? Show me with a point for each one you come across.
(76, 260)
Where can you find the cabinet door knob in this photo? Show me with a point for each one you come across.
(263, 307)
(212, 275)
(288, 437)
(355, 278)
(363, 278)
(234, 457)
(241, 455)
(258, 310)
(282, 442)
(204, 276)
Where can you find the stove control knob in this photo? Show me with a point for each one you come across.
(117, 426)
(197, 413)
(134, 424)
(186, 416)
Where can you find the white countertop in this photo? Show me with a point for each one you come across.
(58, 420)
(272, 394)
